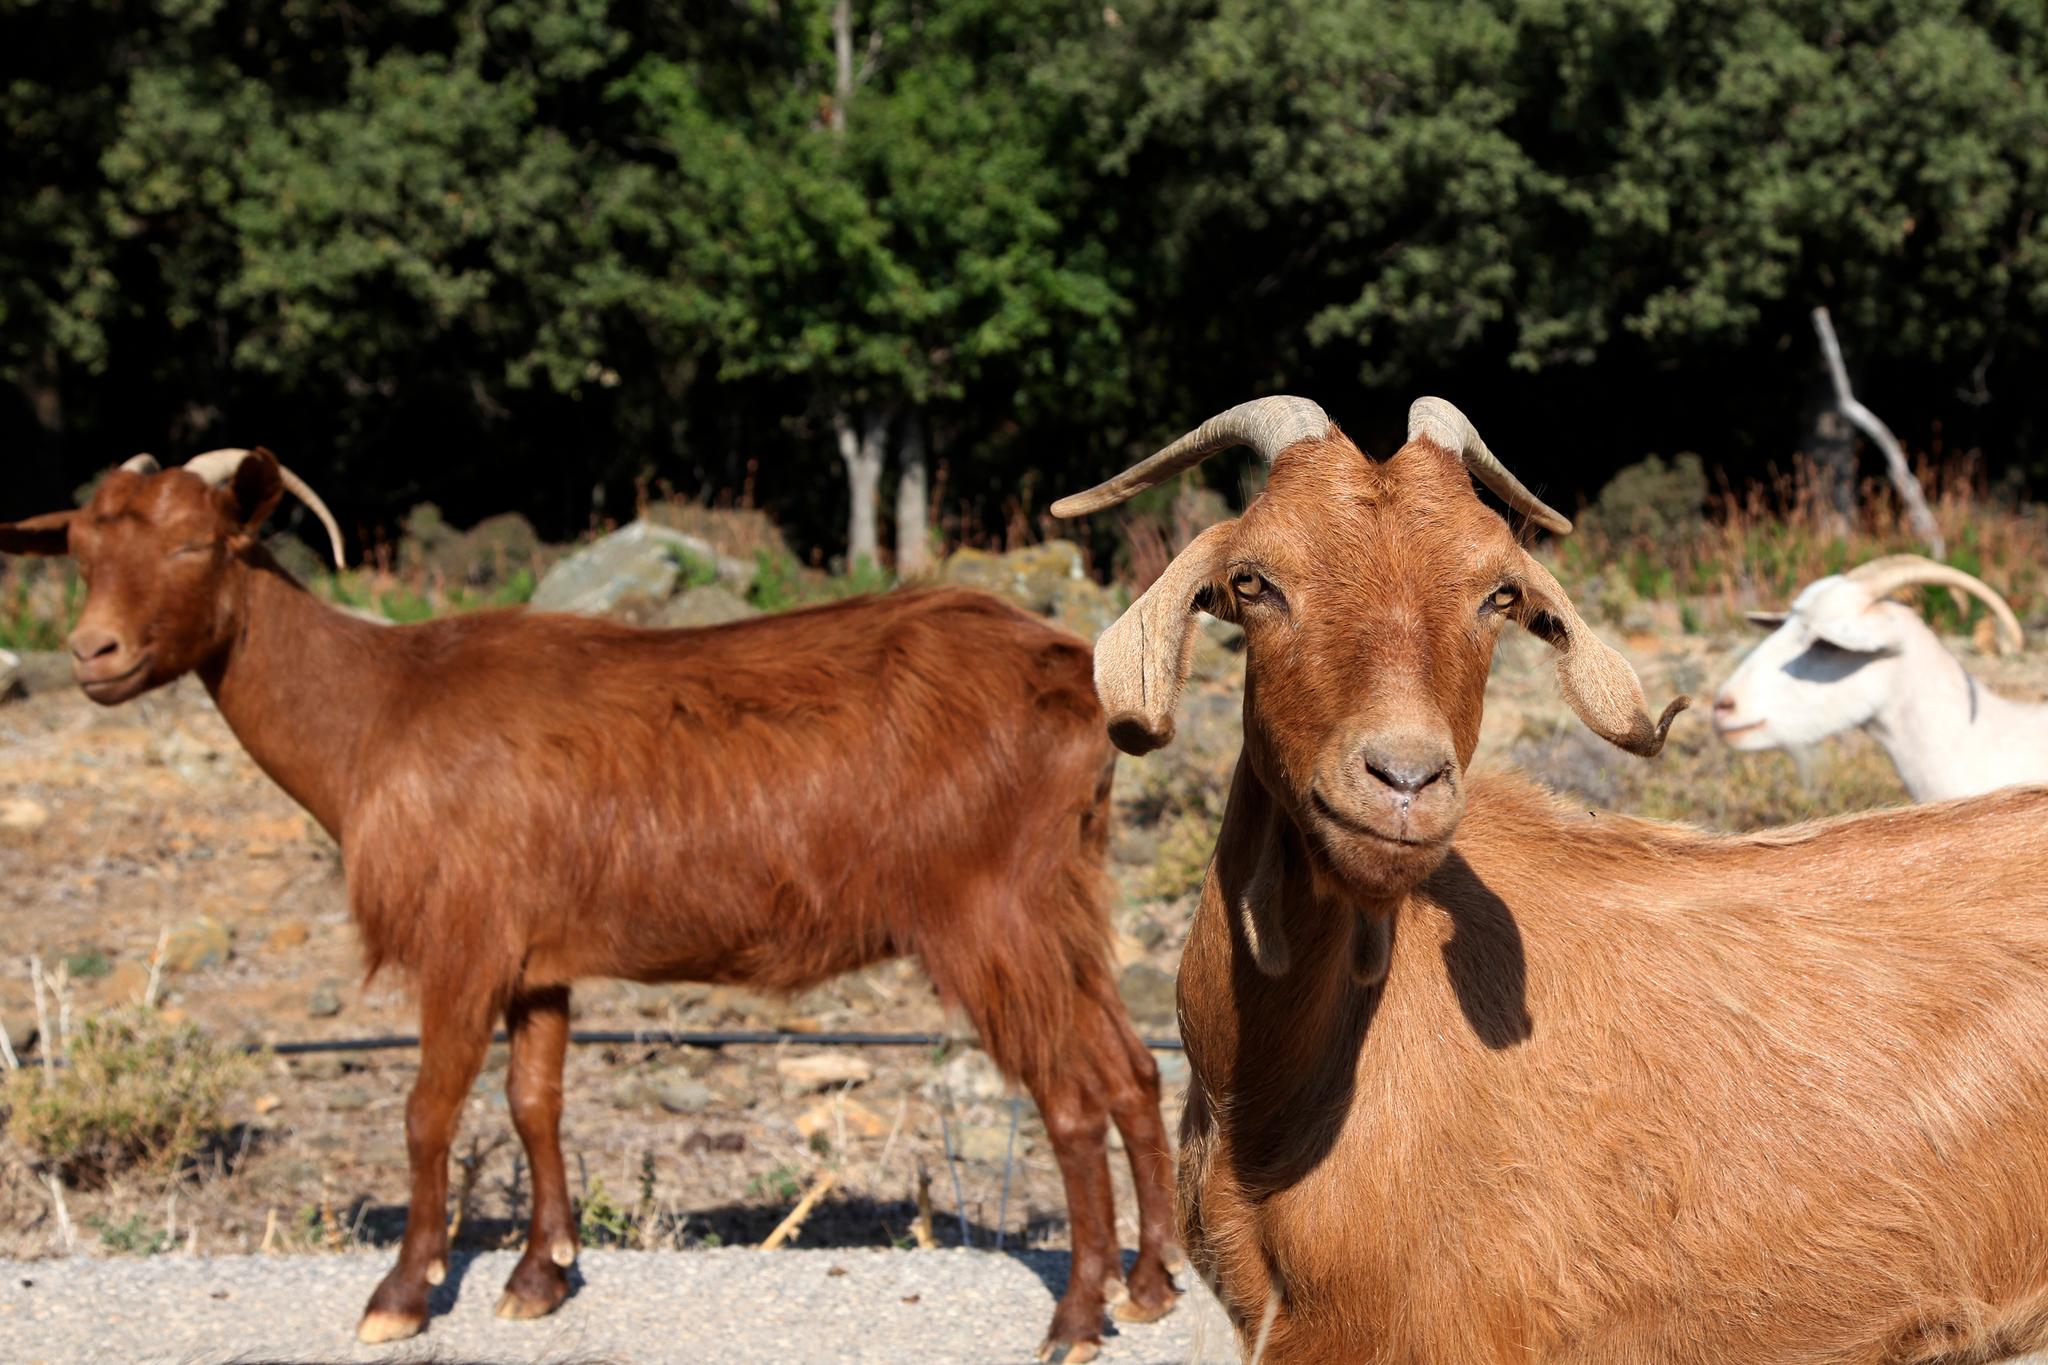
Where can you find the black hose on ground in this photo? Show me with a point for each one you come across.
(661, 1038)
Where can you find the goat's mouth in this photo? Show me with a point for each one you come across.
(119, 686)
(1357, 828)
(1729, 733)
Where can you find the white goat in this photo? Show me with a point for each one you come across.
(1845, 655)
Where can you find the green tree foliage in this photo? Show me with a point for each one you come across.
(1388, 193)
(524, 254)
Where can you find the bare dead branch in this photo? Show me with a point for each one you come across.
(1917, 515)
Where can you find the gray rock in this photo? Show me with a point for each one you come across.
(1148, 994)
(636, 566)
(987, 1142)
(1148, 931)
(348, 1100)
(714, 604)
(631, 566)
(1219, 652)
(681, 1094)
(325, 1001)
(45, 671)
(971, 1078)
(1134, 845)
(1050, 579)
(200, 944)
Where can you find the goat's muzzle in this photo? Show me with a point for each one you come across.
(107, 668)
(1384, 805)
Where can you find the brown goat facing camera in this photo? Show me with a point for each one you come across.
(1483, 1077)
(523, 800)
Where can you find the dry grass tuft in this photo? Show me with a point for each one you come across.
(136, 1093)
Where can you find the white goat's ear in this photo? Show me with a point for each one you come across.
(1767, 620)
(1141, 662)
(1598, 683)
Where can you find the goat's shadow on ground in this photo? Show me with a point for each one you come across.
(858, 1223)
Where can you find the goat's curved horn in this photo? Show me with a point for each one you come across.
(1883, 577)
(1267, 425)
(216, 467)
(140, 464)
(1440, 422)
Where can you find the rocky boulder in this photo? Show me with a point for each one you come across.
(714, 604)
(1050, 580)
(634, 570)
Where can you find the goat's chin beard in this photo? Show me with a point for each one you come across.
(1371, 867)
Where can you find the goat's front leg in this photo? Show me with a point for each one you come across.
(539, 1025)
(454, 1032)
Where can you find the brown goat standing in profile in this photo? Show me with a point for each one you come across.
(524, 800)
(1480, 1077)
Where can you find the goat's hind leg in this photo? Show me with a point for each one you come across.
(539, 1025)
(1079, 1129)
(455, 1029)
(1130, 1085)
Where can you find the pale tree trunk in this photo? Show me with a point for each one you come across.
(862, 449)
(842, 52)
(1917, 515)
(913, 498)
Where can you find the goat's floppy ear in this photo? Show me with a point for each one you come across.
(1598, 683)
(1141, 662)
(1767, 620)
(255, 489)
(49, 534)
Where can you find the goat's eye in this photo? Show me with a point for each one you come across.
(1247, 583)
(1503, 597)
(192, 547)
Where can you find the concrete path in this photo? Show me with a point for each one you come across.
(634, 1308)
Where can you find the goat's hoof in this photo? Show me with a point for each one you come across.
(1134, 1310)
(380, 1325)
(514, 1307)
(1069, 1352)
(536, 1288)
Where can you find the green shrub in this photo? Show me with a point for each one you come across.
(777, 584)
(1653, 500)
(696, 572)
(136, 1093)
(136, 1237)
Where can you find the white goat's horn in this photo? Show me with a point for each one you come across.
(216, 467)
(1267, 425)
(1883, 577)
(140, 464)
(1441, 423)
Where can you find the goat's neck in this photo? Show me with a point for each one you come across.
(1292, 1035)
(1947, 733)
(299, 684)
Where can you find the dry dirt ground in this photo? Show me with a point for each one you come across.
(117, 825)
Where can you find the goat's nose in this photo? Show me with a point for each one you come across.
(89, 643)
(1406, 766)
(1723, 704)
